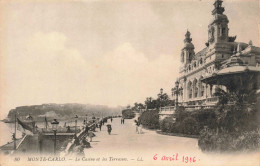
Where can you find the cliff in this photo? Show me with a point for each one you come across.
(63, 111)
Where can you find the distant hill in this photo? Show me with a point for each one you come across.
(63, 111)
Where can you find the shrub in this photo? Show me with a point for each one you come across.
(206, 117)
(166, 124)
(209, 140)
(128, 114)
(150, 119)
(187, 122)
(190, 126)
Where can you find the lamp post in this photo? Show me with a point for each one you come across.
(55, 124)
(176, 91)
(76, 117)
(161, 93)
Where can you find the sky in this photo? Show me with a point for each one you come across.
(103, 52)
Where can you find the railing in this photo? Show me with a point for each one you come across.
(18, 146)
(169, 108)
(191, 105)
(212, 100)
(197, 107)
(71, 144)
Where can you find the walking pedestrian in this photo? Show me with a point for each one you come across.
(140, 129)
(137, 126)
(123, 120)
(100, 126)
(93, 128)
(86, 129)
(109, 128)
(136, 129)
(111, 119)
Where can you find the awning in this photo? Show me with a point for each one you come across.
(222, 76)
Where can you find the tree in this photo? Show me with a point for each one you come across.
(138, 106)
(149, 103)
(223, 96)
(237, 111)
(163, 100)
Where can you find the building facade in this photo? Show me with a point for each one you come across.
(221, 52)
(222, 55)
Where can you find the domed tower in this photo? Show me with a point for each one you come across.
(187, 53)
(218, 28)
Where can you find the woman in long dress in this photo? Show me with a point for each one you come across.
(137, 126)
(140, 129)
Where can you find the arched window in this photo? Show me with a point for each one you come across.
(202, 90)
(201, 87)
(189, 89)
(195, 86)
(223, 31)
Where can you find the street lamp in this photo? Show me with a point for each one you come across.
(85, 120)
(161, 93)
(176, 91)
(76, 117)
(54, 124)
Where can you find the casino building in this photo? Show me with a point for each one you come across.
(221, 62)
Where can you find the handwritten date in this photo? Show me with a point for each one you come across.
(175, 157)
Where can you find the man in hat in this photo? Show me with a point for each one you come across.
(109, 128)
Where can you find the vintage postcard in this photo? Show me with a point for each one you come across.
(129, 82)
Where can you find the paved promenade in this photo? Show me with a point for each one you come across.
(125, 147)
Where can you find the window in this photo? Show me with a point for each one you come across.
(190, 93)
(202, 90)
(195, 86)
(223, 31)
(196, 92)
(189, 90)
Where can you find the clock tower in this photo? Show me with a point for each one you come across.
(218, 27)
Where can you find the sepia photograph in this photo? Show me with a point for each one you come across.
(129, 82)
